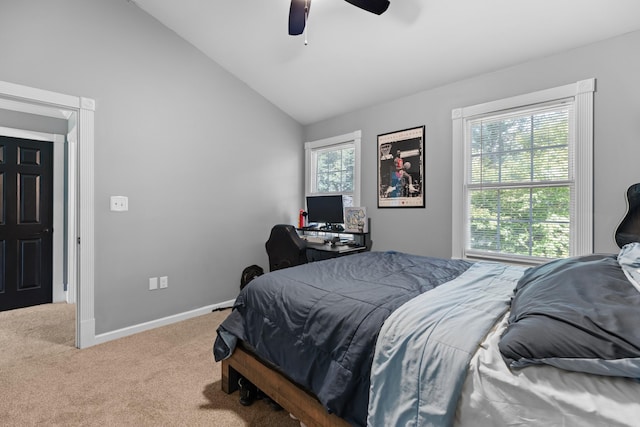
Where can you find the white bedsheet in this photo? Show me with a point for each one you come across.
(493, 396)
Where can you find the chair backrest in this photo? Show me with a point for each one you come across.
(285, 247)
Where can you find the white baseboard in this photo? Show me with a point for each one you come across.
(130, 330)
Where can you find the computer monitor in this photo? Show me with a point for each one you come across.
(325, 209)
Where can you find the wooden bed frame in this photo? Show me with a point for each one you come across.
(287, 394)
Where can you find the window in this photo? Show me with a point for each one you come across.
(333, 167)
(523, 176)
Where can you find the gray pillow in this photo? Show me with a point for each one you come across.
(579, 314)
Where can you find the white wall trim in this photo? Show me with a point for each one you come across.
(43, 100)
(86, 232)
(546, 95)
(79, 113)
(131, 330)
(72, 192)
(32, 135)
(356, 138)
(458, 208)
(334, 140)
(582, 93)
(583, 235)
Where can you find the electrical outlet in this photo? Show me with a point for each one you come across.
(119, 203)
(153, 283)
(164, 282)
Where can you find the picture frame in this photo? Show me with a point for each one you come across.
(355, 220)
(401, 168)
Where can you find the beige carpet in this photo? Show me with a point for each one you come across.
(163, 377)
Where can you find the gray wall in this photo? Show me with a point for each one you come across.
(198, 153)
(615, 64)
(32, 122)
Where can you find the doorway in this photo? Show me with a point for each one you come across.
(78, 112)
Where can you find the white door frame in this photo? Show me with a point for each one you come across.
(79, 115)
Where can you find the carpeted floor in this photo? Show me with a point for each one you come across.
(163, 377)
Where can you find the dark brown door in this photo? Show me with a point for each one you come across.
(26, 218)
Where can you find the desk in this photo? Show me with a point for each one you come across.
(318, 250)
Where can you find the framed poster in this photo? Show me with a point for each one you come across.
(401, 169)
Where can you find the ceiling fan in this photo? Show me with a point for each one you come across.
(299, 12)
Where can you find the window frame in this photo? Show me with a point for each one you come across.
(580, 94)
(312, 148)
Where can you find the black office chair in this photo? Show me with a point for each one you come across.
(285, 247)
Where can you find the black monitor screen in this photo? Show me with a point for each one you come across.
(326, 209)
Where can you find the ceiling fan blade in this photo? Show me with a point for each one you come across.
(374, 6)
(298, 16)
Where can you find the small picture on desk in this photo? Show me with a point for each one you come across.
(355, 219)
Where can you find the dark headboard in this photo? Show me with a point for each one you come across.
(629, 229)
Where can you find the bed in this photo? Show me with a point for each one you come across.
(388, 338)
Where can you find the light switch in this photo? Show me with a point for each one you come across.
(119, 203)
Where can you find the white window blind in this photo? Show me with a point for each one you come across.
(520, 182)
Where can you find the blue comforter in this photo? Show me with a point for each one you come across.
(425, 346)
(319, 322)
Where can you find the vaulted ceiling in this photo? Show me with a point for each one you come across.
(355, 58)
